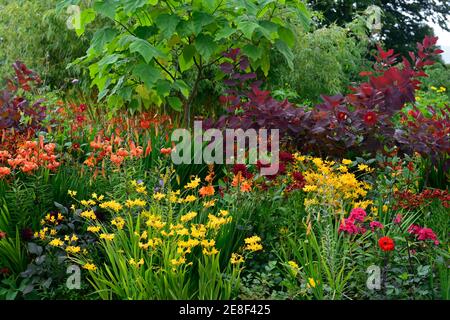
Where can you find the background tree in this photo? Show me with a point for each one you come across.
(158, 52)
(404, 22)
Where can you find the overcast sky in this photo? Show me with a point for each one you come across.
(444, 41)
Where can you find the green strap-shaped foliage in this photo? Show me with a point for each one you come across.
(152, 52)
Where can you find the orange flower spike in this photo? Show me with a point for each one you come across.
(206, 191)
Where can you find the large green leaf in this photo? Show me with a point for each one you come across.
(247, 27)
(130, 6)
(252, 51)
(175, 103)
(206, 46)
(145, 49)
(286, 35)
(186, 59)
(148, 74)
(102, 37)
(167, 23)
(106, 8)
(224, 33)
(283, 48)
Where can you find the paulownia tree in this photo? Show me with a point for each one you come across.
(148, 50)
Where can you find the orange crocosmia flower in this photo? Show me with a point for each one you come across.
(237, 180)
(4, 171)
(117, 160)
(246, 186)
(137, 152)
(90, 162)
(166, 150)
(4, 155)
(122, 152)
(29, 166)
(206, 191)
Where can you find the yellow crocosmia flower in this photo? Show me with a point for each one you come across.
(433, 88)
(159, 196)
(72, 207)
(208, 243)
(312, 282)
(385, 208)
(90, 267)
(107, 236)
(73, 249)
(190, 198)
(74, 238)
(143, 245)
(362, 167)
(119, 222)
(101, 197)
(209, 204)
(236, 258)
(56, 243)
(188, 216)
(210, 252)
(193, 184)
(53, 232)
(177, 262)
(183, 232)
(198, 231)
(167, 234)
(215, 222)
(343, 169)
(442, 89)
(346, 162)
(135, 203)
(144, 235)
(309, 188)
(88, 215)
(93, 229)
(112, 205)
(72, 193)
(253, 244)
(66, 238)
(223, 213)
(94, 196)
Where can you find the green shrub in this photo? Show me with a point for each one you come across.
(341, 50)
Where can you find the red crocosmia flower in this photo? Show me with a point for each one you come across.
(145, 124)
(166, 151)
(2, 235)
(386, 244)
(76, 146)
(370, 118)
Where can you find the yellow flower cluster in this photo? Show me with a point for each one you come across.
(89, 215)
(112, 205)
(253, 244)
(135, 203)
(215, 222)
(236, 258)
(188, 216)
(119, 222)
(330, 181)
(194, 183)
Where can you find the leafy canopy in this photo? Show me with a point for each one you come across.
(154, 52)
